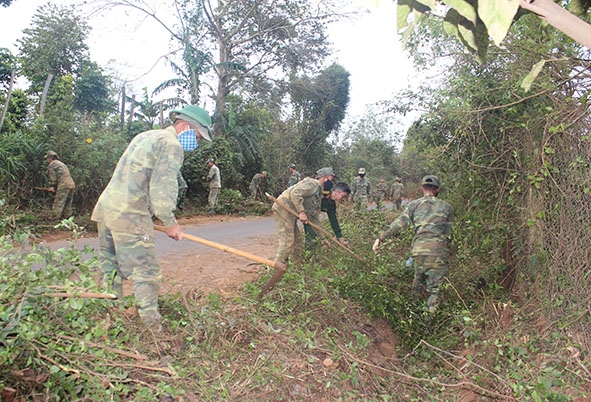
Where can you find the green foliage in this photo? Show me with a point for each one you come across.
(17, 112)
(195, 168)
(230, 201)
(20, 163)
(92, 91)
(7, 67)
(245, 124)
(54, 44)
(474, 22)
(321, 104)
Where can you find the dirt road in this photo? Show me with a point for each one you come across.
(187, 265)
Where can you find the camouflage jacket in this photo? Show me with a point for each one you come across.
(361, 188)
(381, 190)
(59, 176)
(293, 179)
(144, 184)
(303, 196)
(397, 191)
(432, 219)
(256, 181)
(213, 177)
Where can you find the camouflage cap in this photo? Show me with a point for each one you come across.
(431, 180)
(210, 160)
(361, 171)
(325, 171)
(292, 166)
(50, 153)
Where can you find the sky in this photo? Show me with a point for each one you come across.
(132, 47)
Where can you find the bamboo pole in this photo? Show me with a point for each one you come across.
(315, 226)
(278, 266)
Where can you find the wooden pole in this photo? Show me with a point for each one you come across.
(278, 266)
(315, 226)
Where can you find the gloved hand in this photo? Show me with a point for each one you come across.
(343, 241)
(376, 244)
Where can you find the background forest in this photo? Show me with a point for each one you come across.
(513, 149)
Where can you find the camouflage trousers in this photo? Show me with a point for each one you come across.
(256, 193)
(361, 202)
(397, 203)
(62, 203)
(212, 200)
(430, 271)
(289, 237)
(180, 199)
(131, 256)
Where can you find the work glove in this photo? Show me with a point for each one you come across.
(343, 241)
(376, 244)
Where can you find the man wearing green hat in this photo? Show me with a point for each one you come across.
(144, 185)
(256, 186)
(432, 221)
(215, 186)
(303, 198)
(62, 185)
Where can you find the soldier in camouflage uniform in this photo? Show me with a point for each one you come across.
(329, 205)
(143, 185)
(303, 198)
(180, 200)
(62, 185)
(294, 176)
(215, 185)
(432, 220)
(380, 193)
(361, 189)
(256, 186)
(397, 192)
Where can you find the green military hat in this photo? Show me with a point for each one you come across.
(195, 116)
(431, 180)
(325, 171)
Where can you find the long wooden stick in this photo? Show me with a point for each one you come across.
(315, 226)
(278, 266)
(83, 295)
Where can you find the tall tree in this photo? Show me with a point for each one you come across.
(257, 44)
(92, 92)
(53, 45)
(7, 77)
(321, 104)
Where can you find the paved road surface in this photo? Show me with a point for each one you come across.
(228, 233)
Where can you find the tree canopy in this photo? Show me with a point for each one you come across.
(54, 44)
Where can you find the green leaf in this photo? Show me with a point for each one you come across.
(430, 4)
(467, 34)
(497, 15)
(463, 8)
(532, 75)
(450, 22)
(409, 29)
(402, 11)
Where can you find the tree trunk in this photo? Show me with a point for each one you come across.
(122, 122)
(131, 111)
(44, 94)
(10, 88)
(560, 19)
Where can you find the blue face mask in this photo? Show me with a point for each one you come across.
(188, 140)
